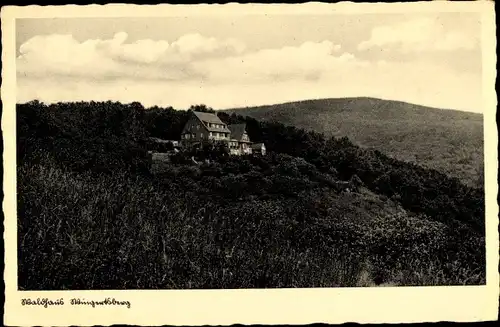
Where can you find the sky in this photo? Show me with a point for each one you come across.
(432, 59)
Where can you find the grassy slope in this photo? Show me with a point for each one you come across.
(81, 231)
(447, 140)
(245, 223)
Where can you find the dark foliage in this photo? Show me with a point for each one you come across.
(313, 212)
(102, 137)
(418, 189)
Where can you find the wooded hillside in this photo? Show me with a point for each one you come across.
(91, 216)
(447, 140)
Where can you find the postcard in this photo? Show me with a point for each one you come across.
(250, 163)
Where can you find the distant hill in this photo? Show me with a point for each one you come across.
(447, 140)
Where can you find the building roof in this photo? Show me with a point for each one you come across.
(208, 117)
(257, 145)
(213, 119)
(237, 131)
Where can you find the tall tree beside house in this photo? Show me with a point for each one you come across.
(202, 108)
(165, 123)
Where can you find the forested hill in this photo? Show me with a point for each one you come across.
(108, 136)
(252, 221)
(448, 140)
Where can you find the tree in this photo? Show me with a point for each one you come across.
(202, 108)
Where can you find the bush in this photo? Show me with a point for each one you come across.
(279, 220)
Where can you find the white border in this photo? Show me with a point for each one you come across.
(277, 306)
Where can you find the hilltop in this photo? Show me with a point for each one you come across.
(447, 140)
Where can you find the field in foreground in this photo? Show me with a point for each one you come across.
(447, 140)
(92, 217)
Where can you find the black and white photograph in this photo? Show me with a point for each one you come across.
(255, 150)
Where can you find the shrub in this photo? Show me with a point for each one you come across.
(279, 220)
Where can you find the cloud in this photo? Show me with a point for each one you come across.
(418, 35)
(101, 59)
(190, 57)
(307, 61)
(223, 74)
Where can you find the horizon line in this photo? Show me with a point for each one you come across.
(255, 105)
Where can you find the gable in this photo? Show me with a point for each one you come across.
(193, 125)
(237, 131)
